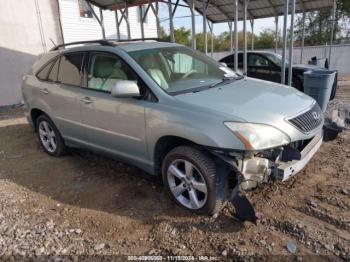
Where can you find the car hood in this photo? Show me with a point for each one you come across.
(307, 67)
(253, 100)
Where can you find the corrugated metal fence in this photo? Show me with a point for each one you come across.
(340, 59)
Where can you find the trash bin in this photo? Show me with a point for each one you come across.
(320, 62)
(318, 84)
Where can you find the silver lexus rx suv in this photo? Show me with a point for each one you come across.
(174, 113)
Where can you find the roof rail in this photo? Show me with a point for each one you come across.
(137, 39)
(101, 42)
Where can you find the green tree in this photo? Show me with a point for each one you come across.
(266, 39)
(223, 42)
(163, 35)
(318, 25)
(182, 36)
(200, 41)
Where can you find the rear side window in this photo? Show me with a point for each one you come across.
(257, 60)
(228, 59)
(42, 75)
(70, 72)
(54, 71)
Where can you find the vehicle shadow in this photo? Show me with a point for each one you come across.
(86, 180)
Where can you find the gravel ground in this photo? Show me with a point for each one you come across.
(83, 206)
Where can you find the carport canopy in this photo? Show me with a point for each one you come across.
(219, 11)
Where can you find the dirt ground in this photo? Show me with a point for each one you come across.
(83, 205)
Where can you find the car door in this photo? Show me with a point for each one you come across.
(61, 90)
(113, 125)
(259, 67)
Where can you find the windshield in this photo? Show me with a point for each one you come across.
(180, 69)
(276, 58)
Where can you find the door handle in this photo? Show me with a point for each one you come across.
(86, 100)
(44, 91)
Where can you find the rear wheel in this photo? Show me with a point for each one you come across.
(189, 175)
(49, 136)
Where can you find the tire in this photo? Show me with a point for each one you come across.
(334, 88)
(203, 172)
(49, 137)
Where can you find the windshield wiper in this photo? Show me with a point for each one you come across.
(226, 80)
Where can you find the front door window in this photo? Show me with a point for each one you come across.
(106, 70)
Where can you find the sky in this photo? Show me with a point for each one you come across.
(179, 21)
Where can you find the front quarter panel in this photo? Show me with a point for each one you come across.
(199, 127)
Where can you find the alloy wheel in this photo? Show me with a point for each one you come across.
(47, 136)
(187, 184)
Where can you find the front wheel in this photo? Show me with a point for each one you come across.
(189, 175)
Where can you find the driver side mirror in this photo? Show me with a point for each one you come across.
(125, 89)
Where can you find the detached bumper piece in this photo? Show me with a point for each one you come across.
(288, 169)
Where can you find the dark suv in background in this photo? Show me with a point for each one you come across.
(267, 66)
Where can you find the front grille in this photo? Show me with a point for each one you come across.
(309, 120)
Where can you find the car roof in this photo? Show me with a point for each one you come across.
(125, 45)
(144, 45)
(250, 52)
(254, 52)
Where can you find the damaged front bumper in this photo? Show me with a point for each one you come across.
(290, 168)
(253, 168)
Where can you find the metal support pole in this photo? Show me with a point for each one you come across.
(193, 20)
(212, 39)
(284, 44)
(302, 39)
(276, 33)
(102, 24)
(99, 19)
(245, 10)
(205, 26)
(141, 22)
(155, 11)
(40, 24)
(252, 26)
(236, 35)
(127, 20)
(157, 18)
(291, 41)
(231, 36)
(117, 24)
(171, 22)
(332, 33)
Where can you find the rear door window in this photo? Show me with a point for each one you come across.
(70, 69)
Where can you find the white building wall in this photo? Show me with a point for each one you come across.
(76, 28)
(26, 27)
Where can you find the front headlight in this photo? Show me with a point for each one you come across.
(258, 136)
